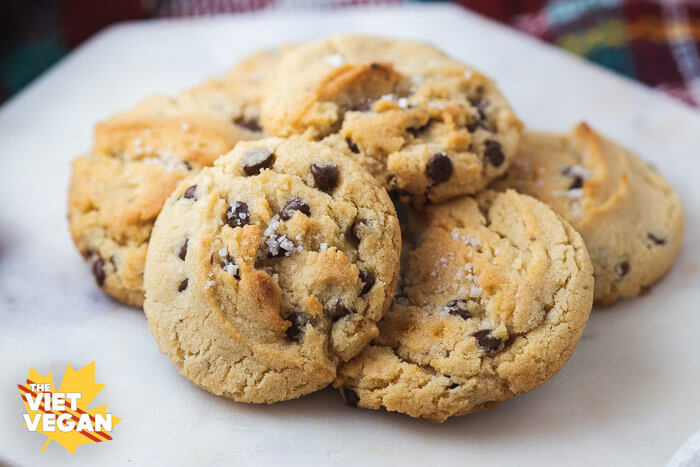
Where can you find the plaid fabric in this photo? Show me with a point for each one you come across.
(653, 41)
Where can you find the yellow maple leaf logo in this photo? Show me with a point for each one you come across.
(71, 424)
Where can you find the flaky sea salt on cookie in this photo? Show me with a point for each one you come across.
(493, 297)
(422, 123)
(271, 268)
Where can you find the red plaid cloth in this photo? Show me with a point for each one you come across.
(653, 41)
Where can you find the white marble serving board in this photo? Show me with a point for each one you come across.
(629, 396)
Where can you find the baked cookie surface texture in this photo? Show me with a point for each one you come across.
(629, 216)
(271, 268)
(139, 157)
(425, 125)
(493, 296)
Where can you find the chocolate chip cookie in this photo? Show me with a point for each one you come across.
(425, 125)
(629, 216)
(139, 157)
(271, 268)
(493, 296)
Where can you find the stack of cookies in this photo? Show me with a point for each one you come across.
(367, 213)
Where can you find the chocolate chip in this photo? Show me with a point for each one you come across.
(417, 130)
(251, 124)
(279, 246)
(458, 307)
(238, 214)
(188, 166)
(325, 176)
(576, 179)
(256, 160)
(98, 271)
(295, 204)
(487, 341)
(229, 264)
(355, 230)
(480, 105)
(352, 146)
(298, 322)
(439, 167)
(474, 125)
(656, 240)
(183, 250)
(576, 183)
(190, 192)
(493, 152)
(351, 397)
(363, 106)
(453, 386)
(183, 285)
(367, 279)
(623, 268)
(340, 310)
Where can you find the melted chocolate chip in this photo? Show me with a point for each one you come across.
(355, 230)
(351, 397)
(238, 214)
(367, 279)
(493, 152)
(487, 340)
(439, 167)
(183, 285)
(480, 105)
(363, 106)
(251, 124)
(340, 310)
(292, 205)
(279, 246)
(183, 250)
(256, 160)
(325, 176)
(576, 179)
(190, 192)
(229, 263)
(476, 124)
(623, 268)
(656, 240)
(98, 271)
(576, 183)
(417, 130)
(458, 307)
(453, 386)
(294, 331)
(352, 146)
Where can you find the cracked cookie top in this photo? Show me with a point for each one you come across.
(629, 216)
(493, 296)
(139, 157)
(423, 124)
(269, 269)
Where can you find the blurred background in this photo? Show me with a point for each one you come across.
(655, 42)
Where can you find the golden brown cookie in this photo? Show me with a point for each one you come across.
(139, 157)
(493, 296)
(422, 123)
(629, 216)
(271, 268)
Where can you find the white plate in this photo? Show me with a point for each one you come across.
(629, 395)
